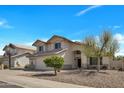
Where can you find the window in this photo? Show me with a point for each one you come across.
(57, 45)
(77, 52)
(41, 48)
(94, 60)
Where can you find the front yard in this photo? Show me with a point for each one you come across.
(104, 79)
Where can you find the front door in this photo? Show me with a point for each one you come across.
(79, 63)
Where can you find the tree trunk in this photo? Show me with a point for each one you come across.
(87, 62)
(111, 63)
(122, 65)
(9, 61)
(98, 64)
(55, 70)
(58, 70)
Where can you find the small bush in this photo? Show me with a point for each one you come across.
(6, 66)
(104, 67)
(113, 68)
(120, 69)
(55, 61)
(94, 67)
(29, 67)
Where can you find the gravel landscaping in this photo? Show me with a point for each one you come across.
(104, 79)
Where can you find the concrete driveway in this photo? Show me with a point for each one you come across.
(7, 85)
(14, 77)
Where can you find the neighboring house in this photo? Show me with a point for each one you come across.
(69, 50)
(18, 54)
(1, 59)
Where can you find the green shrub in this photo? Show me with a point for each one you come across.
(29, 67)
(6, 66)
(104, 67)
(54, 61)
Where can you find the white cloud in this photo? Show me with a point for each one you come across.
(1, 52)
(29, 43)
(44, 39)
(76, 40)
(4, 24)
(87, 10)
(120, 53)
(116, 27)
(119, 37)
(112, 27)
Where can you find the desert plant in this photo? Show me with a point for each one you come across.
(29, 67)
(6, 67)
(54, 61)
(105, 45)
(88, 47)
(104, 67)
(120, 69)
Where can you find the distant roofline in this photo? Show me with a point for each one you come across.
(76, 42)
(20, 46)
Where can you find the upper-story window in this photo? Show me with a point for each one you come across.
(41, 48)
(57, 45)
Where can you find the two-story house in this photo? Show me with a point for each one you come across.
(69, 50)
(18, 54)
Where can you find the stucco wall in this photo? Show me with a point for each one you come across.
(106, 60)
(50, 46)
(40, 65)
(64, 44)
(6, 62)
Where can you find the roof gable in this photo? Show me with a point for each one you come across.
(20, 46)
(56, 36)
(38, 42)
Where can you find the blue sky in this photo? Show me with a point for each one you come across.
(25, 24)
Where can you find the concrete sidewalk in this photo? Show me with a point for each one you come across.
(29, 82)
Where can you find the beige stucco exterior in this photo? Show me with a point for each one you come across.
(18, 56)
(70, 58)
(69, 50)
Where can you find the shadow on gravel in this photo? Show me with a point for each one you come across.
(7, 85)
(84, 73)
(44, 74)
(94, 73)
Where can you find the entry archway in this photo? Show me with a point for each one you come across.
(77, 58)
